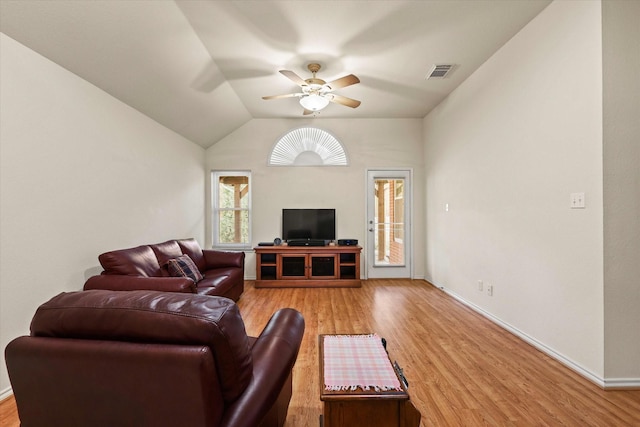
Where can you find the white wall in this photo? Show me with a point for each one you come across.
(505, 150)
(81, 173)
(621, 58)
(369, 143)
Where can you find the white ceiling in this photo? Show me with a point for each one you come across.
(201, 67)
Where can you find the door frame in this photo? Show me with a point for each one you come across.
(390, 272)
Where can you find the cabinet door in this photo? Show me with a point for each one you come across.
(293, 266)
(323, 266)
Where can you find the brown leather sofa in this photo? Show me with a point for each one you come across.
(147, 358)
(145, 267)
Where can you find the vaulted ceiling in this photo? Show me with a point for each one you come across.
(201, 67)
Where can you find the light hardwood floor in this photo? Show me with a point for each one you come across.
(463, 370)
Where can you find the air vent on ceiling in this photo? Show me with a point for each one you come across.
(439, 71)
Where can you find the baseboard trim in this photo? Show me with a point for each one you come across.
(6, 393)
(622, 384)
(599, 381)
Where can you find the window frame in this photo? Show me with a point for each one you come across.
(216, 209)
(398, 194)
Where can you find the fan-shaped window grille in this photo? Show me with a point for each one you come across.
(308, 147)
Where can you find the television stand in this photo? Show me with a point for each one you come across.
(288, 266)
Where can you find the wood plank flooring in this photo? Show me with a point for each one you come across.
(9, 413)
(463, 370)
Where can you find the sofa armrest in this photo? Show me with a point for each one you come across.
(218, 259)
(274, 354)
(133, 283)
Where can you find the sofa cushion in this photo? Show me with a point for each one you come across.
(183, 266)
(214, 284)
(155, 317)
(166, 251)
(227, 282)
(139, 261)
(192, 248)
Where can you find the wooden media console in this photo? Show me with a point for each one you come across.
(307, 266)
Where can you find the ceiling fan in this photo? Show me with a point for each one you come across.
(316, 93)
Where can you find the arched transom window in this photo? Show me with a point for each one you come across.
(308, 147)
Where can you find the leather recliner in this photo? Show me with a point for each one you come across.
(148, 358)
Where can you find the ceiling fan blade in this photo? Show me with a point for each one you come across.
(343, 82)
(343, 100)
(289, 95)
(293, 77)
(307, 112)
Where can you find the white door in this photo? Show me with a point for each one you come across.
(388, 246)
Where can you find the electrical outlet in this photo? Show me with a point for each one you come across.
(490, 289)
(576, 200)
(480, 285)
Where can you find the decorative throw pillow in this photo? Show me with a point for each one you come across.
(183, 266)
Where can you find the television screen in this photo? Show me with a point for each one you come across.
(319, 224)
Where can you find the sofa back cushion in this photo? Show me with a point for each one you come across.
(155, 317)
(192, 248)
(164, 252)
(138, 261)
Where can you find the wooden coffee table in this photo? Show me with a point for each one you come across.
(365, 408)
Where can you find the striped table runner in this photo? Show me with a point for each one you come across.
(352, 361)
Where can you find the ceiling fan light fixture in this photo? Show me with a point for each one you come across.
(314, 102)
(315, 93)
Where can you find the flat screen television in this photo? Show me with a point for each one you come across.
(314, 224)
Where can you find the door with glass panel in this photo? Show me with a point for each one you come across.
(388, 224)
